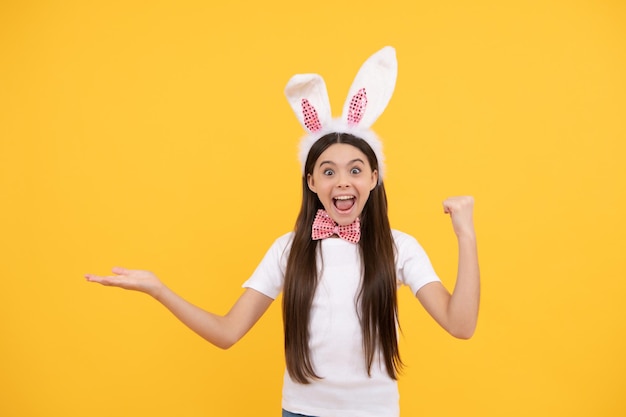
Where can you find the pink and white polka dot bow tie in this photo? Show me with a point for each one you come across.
(324, 226)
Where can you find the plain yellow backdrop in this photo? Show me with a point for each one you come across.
(156, 135)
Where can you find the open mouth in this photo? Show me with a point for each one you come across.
(344, 202)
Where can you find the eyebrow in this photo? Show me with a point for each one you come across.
(349, 163)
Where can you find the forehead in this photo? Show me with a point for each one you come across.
(340, 154)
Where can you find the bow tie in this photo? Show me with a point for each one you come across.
(324, 226)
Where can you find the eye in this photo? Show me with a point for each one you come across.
(328, 172)
(355, 171)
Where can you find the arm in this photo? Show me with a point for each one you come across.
(221, 331)
(457, 313)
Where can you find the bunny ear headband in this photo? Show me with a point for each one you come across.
(367, 98)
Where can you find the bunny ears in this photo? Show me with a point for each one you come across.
(368, 97)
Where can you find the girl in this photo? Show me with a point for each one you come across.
(340, 268)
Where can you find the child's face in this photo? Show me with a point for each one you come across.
(342, 179)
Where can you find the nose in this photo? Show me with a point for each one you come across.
(342, 180)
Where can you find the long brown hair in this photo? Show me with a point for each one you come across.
(377, 301)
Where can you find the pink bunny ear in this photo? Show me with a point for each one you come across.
(371, 89)
(356, 108)
(308, 98)
(311, 119)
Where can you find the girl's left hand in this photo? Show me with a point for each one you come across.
(461, 211)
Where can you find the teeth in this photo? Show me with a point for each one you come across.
(344, 197)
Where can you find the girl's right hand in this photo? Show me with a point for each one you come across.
(128, 279)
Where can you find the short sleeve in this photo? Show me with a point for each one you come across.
(412, 264)
(269, 275)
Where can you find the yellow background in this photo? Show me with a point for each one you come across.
(156, 135)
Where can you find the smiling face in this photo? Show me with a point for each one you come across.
(342, 178)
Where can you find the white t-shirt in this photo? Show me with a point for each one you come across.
(345, 389)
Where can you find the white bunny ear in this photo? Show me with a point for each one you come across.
(371, 89)
(308, 98)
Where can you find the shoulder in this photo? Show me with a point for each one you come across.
(279, 249)
(402, 239)
(281, 244)
(284, 240)
(406, 244)
(268, 276)
(412, 263)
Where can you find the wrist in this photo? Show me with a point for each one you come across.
(157, 291)
(468, 236)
